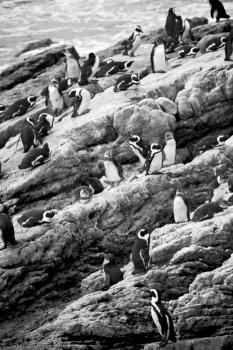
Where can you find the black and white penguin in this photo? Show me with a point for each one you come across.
(215, 44)
(89, 69)
(162, 318)
(207, 210)
(44, 124)
(2, 108)
(72, 67)
(81, 101)
(36, 157)
(19, 107)
(139, 148)
(7, 231)
(113, 169)
(210, 142)
(93, 182)
(83, 194)
(180, 208)
(219, 189)
(133, 42)
(187, 50)
(169, 149)
(127, 80)
(187, 32)
(140, 252)
(171, 22)
(54, 99)
(158, 57)
(229, 46)
(35, 217)
(217, 10)
(154, 159)
(112, 67)
(29, 137)
(112, 272)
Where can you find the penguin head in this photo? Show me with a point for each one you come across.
(155, 295)
(126, 65)
(134, 139)
(169, 136)
(50, 213)
(135, 78)
(32, 99)
(72, 93)
(172, 10)
(2, 108)
(155, 149)
(43, 117)
(221, 139)
(92, 57)
(179, 192)
(138, 29)
(143, 234)
(31, 121)
(84, 194)
(108, 259)
(194, 50)
(108, 155)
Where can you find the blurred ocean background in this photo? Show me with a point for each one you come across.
(90, 25)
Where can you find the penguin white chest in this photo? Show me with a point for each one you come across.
(73, 70)
(170, 152)
(136, 44)
(55, 98)
(138, 154)
(111, 171)
(180, 210)
(86, 98)
(220, 192)
(94, 68)
(156, 163)
(159, 59)
(154, 313)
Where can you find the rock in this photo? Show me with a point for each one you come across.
(35, 45)
(212, 28)
(166, 105)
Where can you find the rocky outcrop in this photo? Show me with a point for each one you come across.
(35, 45)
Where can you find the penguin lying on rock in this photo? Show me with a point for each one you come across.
(35, 217)
(112, 67)
(19, 108)
(140, 252)
(36, 157)
(206, 211)
(93, 183)
(187, 50)
(209, 142)
(112, 272)
(7, 231)
(127, 80)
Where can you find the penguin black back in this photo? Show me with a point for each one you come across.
(7, 228)
(112, 272)
(217, 10)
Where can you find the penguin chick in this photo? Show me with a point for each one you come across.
(133, 42)
(113, 170)
(7, 231)
(112, 272)
(140, 252)
(187, 32)
(162, 318)
(180, 208)
(139, 148)
(81, 101)
(154, 160)
(169, 149)
(125, 81)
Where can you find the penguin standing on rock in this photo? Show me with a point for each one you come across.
(162, 318)
(89, 69)
(140, 252)
(35, 217)
(229, 46)
(171, 22)
(112, 272)
(217, 10)
(154, 160)
(187, 33)
(180, 208)
(36, 157)
(81, 101)
(113, 170)
(54, 99)
(29, 135)
(133, 42)
(127, 80)
(72, 68)
(158, 57)
(139, 148)
(7, 231)
(169, 149)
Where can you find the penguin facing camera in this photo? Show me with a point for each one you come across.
(54, 99)
(169, 149)
(180, 207)
(158, 57)
(139, 148)
(72, 67)
(154, 160)
(113, 170)
(81, 101)
(7, 231)
(112, 272)
(217, 10)
(161, 318)
(133, 42)
(83, 194)
(125, 81)
(140, 252)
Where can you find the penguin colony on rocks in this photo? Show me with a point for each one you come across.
(152, 157)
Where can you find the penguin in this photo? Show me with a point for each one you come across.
(81, 101)
(187, 32)
(140, 252)
(112, 67)
(230, 183)
(113, 274)
(36, 157)
(93, 183)
(44, 124)
(54, 99)
(217, 10)
(220, 189)
(2, 108)
(83, 194)
(29, 137)
(180, 208)
(154, 159)
(19, 107)
(169, 149)
(7, 230)
(113, 170)
(210, 142)
(72, 67)
(139, 148)
(229, 46)
(127, 80)
(206, 211)
(37, 216)
(162, 318)
(171, 21)
(89, 69)
(215, 44)
(187, 50)
(133, 42)
(158, 57)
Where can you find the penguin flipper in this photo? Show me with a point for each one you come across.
(152, 59)
(45, 91)
(212, 12)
